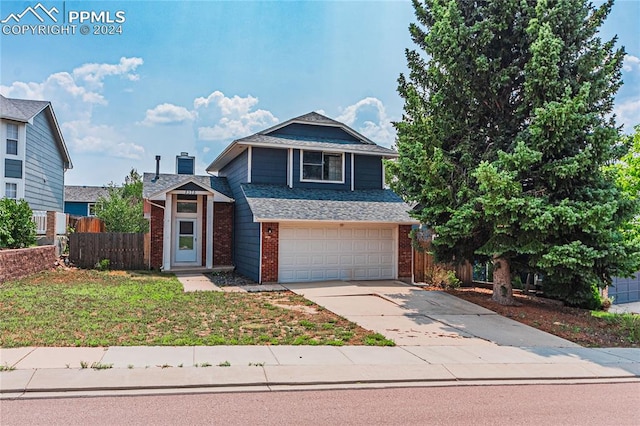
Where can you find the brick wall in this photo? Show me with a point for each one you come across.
(222, 234)
(405, 253)
(270, 252)
(18, 263)
(203, 235)
(157, 232)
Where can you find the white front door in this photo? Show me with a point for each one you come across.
(186, 241)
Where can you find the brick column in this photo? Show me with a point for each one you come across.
(157, 232)
(405, 254)
(269, 252)
(222, 234)
(51, 227)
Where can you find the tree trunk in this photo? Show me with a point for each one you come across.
(502, 289)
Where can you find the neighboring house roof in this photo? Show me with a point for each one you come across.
(84, 194)
(265, 138)
(279, 203)
(24, 110)
(152, 187)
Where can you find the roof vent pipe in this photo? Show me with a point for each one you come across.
(157, 168)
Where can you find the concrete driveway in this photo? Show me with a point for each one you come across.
(415, 317)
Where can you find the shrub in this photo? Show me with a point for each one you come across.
(103, 265)
(17, 229)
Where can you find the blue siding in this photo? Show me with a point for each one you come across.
(315, 132)
(269, 166)
(297, 183)
(44, 168)
(13, 168)
(625, 290)
(246, 233)
(76, 208)
(368, 172)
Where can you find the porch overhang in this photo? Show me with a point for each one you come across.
(190, 187)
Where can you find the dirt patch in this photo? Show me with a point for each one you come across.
(577, 325)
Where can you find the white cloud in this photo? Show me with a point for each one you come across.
(94, 74)
(84, 137)
(232, 117)
(228, 106)
(84, 83)
(628, 113)
(74, 95)
(377, 126)
(168, 114)
(630, 63)
(216, 117)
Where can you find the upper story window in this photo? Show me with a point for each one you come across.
(322, 166)
(12, 139)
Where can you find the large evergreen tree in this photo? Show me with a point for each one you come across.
(506, 128)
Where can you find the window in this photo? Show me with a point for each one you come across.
(12, 139)
(92, 209)
(11, 190)
(322, 166)
(186, 207)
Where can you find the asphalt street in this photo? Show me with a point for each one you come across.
(561, 404)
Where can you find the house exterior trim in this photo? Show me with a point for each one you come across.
(266, 219)
(160, 195)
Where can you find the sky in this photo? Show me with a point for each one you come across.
(163, 77)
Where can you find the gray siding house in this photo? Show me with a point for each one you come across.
(33, 154)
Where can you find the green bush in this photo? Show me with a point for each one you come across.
(17, 229)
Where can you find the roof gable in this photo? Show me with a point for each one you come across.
(309, 131)
(317, 124)
(24, 110)
(153, 188)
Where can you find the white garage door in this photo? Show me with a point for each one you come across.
(348, 252)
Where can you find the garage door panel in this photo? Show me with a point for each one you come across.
(336, 252)
(332, 259)
(332, 246)
(360, 259)
(346, 233)
(346, 260)
(360, 246)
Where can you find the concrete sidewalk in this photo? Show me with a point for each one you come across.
(58, 371)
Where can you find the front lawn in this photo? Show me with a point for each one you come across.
(91, 308)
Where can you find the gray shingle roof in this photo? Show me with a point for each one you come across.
(166, 181)
(309, 143)
(314, 117)
(279, 203)
(84, 194)
(21, 110)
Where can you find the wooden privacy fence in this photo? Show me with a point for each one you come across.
(124, 250)
(88, 224)
(423, 265)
